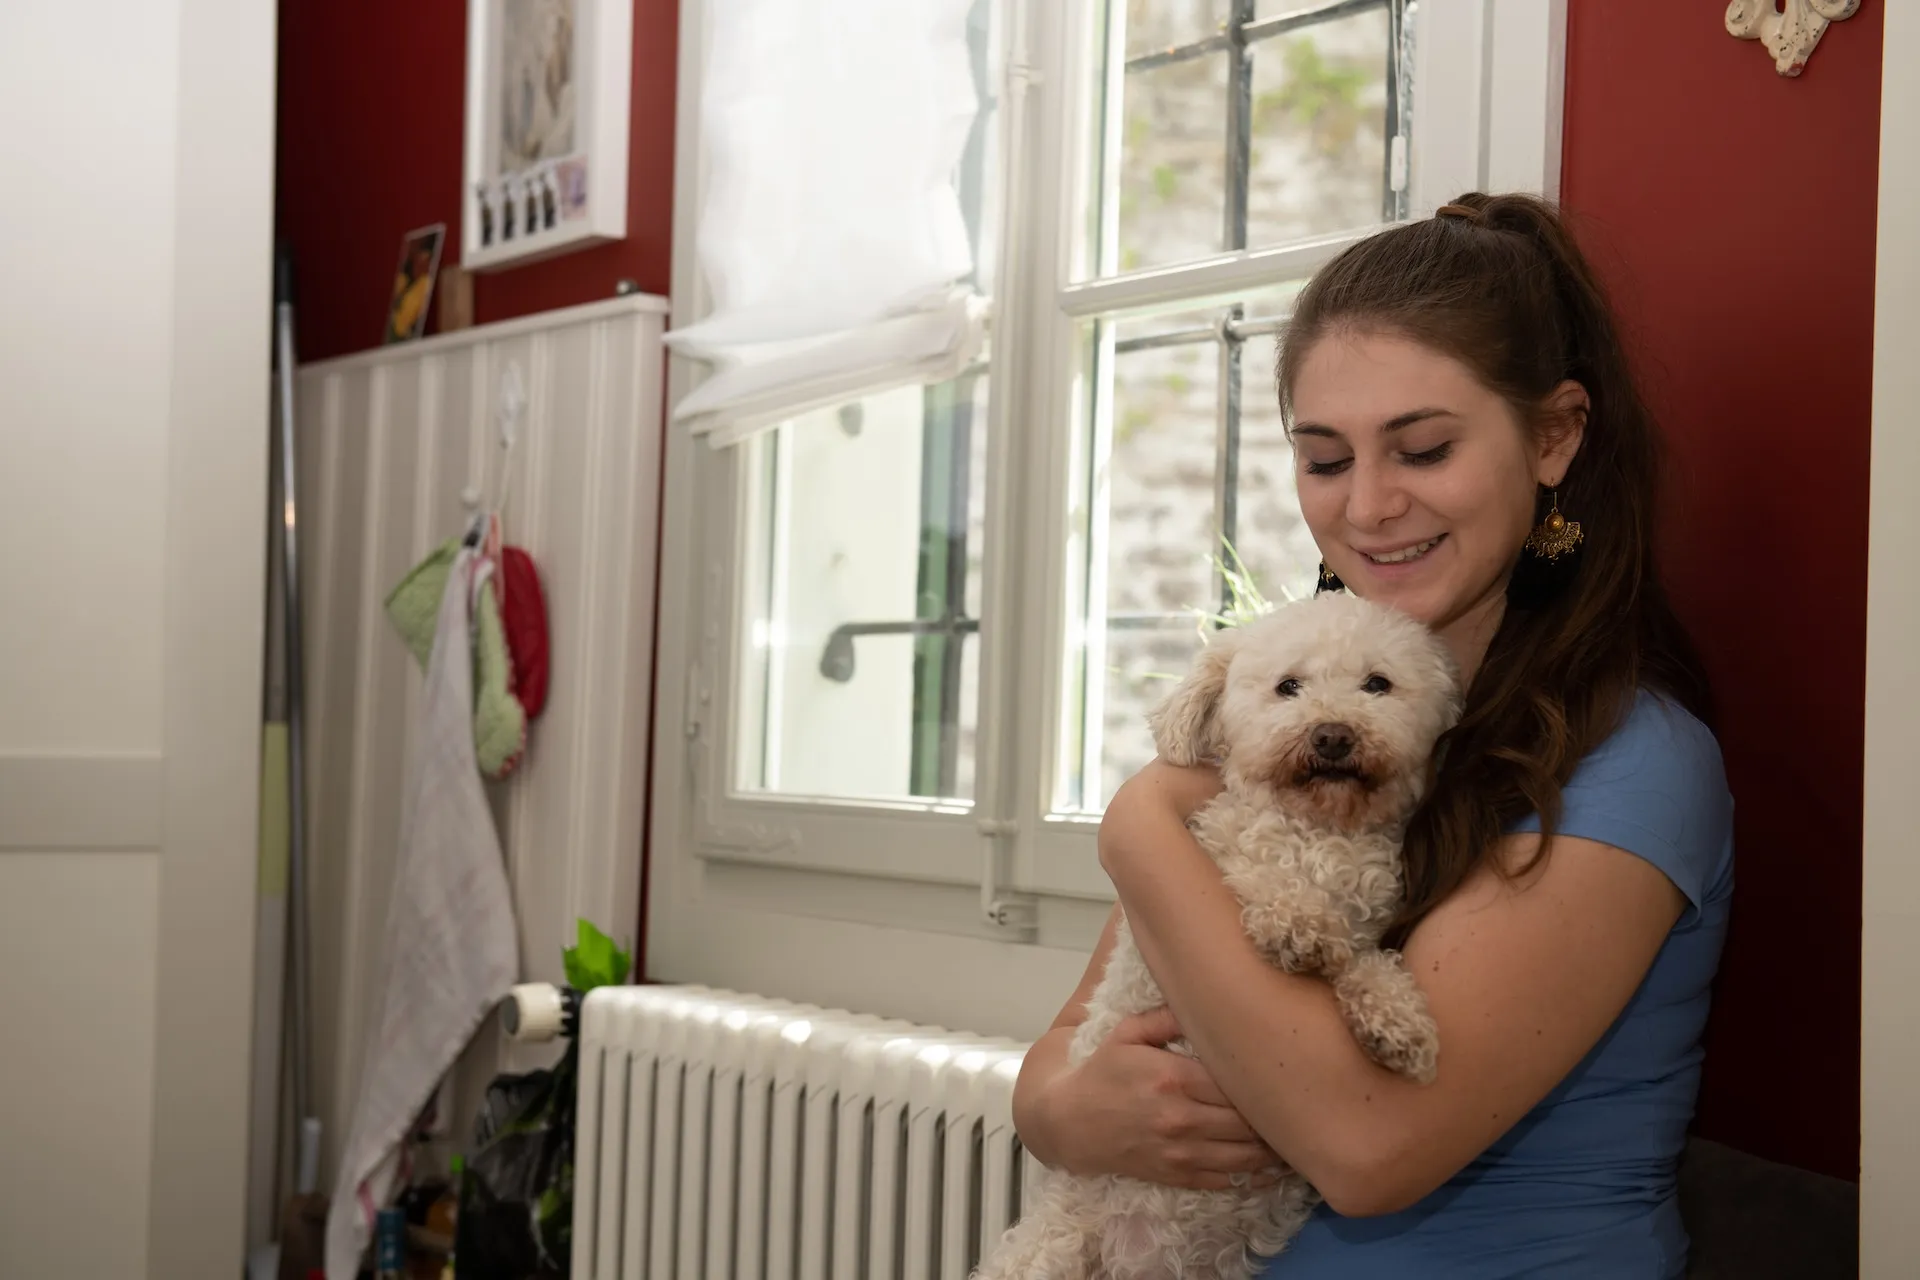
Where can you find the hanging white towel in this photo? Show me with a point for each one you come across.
(451, 952)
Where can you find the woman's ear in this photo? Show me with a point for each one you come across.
(1185, 725)
(1566, 412)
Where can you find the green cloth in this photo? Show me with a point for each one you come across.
(499, 721)
(414, 606)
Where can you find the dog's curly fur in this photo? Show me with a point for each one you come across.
(1322, 718)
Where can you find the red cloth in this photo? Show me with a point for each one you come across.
(523, 616)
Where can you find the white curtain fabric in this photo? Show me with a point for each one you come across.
(831, 238)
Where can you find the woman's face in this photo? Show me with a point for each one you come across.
(1417, 480)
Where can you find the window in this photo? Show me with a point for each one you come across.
(859, 674)
(912, 639)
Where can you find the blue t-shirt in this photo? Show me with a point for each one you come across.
(1584, 1185)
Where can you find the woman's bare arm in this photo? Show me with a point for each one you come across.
(1522, 979)
(1132, 1107)
(1047, 1059)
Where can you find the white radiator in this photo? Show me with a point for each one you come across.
(729, 1137)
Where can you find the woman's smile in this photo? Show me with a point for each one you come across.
(1402, 557)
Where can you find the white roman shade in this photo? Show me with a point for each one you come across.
(830, 235)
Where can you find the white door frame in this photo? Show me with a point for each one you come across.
(216, 518)
(1890, 906)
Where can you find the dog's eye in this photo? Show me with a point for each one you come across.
(1288, 688)
(1377, 684)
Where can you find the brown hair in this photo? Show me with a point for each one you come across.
(1497, 283)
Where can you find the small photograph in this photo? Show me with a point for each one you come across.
(413, 283)
(572, 177)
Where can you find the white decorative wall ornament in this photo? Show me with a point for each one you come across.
(1790, 34)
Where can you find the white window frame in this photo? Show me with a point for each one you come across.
(882, 906)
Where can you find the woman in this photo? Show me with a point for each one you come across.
(1470, 449)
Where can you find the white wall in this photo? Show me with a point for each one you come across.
(77, 933)
(132, 454)
(80, 660)
(1890, 926)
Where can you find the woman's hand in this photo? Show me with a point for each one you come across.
(1138, 1109)
(1159, 797)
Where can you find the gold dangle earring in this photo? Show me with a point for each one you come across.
(1556, 535)
(1329, 580)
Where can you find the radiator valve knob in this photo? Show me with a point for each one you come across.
(537, 1011)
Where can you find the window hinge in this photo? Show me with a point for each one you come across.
(1015, 915)
(698, 695)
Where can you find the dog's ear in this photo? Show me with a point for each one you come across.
(1186, 724)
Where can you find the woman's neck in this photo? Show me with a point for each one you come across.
(1469, 635)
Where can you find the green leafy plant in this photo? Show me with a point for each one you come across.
(595, 961)
(1244, 601)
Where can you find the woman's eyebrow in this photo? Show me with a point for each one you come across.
(1394, 423)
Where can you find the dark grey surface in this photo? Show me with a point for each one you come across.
(1752, 1219)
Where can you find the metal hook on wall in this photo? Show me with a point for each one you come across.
(509, 409)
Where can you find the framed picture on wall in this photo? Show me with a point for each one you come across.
(413, 283)
(548, 83)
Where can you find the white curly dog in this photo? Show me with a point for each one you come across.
(1322, 718)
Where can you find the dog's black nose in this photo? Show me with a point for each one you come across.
(1332, 741)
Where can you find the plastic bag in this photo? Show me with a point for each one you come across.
(516, 1195)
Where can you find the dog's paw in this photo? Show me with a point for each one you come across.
(1298, 942)
(1410, 1049)
(1388, 1015)
(1318, 954)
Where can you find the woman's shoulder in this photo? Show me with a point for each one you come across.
(1657, 734)
(1657, 788)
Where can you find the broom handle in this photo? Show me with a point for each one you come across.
(309, 1125)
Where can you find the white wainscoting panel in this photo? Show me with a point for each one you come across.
(389, 441)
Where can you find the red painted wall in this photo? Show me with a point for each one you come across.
(370, 136)
(1733, 212)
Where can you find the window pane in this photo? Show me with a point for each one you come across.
(1270, 537)
(1173, 464)
(1173, 163)
(1154, 26)
(859, 662)
(1319, 158)
(1141, 669)
(1229, 124)
(1160, 472)
(1149, 503)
